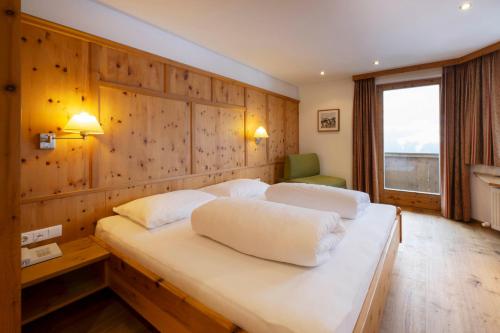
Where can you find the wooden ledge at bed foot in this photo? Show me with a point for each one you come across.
(399, 218)
(373, 307)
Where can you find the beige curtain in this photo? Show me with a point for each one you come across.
(470, 129)
(365, 177)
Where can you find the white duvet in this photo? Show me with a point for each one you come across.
(270, 230)
(261, 295)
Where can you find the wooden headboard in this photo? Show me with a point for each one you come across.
(167, 126)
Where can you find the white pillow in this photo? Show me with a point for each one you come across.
(238, 188)
(160, 209)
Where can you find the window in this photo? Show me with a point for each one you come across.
(409, 137)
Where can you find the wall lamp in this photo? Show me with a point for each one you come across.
(81, 123)
(260, 133)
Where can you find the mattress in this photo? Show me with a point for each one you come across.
(256, 294)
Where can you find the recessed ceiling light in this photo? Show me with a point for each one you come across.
(465, 6)
(376, 62)
(322, 73)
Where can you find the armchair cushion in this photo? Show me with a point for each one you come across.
(301, 165)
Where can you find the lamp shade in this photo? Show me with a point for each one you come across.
(260, 133)
(84, 124)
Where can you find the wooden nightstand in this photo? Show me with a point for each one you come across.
(50, 285)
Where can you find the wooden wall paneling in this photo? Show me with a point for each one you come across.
(147, 106)
(245, 136)
(120, 196)
(255, 116)
(291, 128)
(229, 175)
(276, 130)
(129, 69)
(269, 173)
(93, 101)
(228, 93)
(265, 173)
(196, 181)
(187, 83)
(78, 215)
(55, 85)
(218, 138)
(204, 131)
(10, 115)
(146, 138)
(231, 138)
(166, 79)
(277, 171)
(51, 26)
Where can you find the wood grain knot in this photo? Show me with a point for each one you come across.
(10, 88)
(158, 282)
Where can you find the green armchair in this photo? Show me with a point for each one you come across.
(304, 168)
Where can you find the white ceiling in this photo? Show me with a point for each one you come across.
(294, 40)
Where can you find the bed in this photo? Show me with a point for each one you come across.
(183, 282)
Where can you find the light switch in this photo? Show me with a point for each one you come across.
(26, 238)
(55, 231)
(40, 234)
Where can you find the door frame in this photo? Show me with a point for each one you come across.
(402, 198)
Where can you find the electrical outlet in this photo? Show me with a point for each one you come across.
(26, 238)
(55, 231)
(40, 234)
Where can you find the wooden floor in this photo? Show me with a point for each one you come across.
(446, 279)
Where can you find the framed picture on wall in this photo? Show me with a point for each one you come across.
(329, 120)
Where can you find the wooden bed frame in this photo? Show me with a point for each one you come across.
(170, 309)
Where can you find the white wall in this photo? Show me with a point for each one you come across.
(102, 21)
(333, 148)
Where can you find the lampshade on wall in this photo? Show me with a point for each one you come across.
(84, 124)
(81, 123)
(260, 133)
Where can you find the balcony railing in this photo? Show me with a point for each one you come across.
(412, 172)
